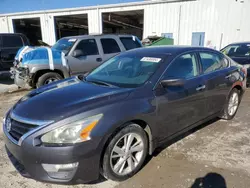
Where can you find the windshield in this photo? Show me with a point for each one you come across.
(64, 44)
(238, 50)
(126, 71)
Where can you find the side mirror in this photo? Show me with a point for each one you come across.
(78, 53)
(173, 82)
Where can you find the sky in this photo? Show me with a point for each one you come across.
(11, 6)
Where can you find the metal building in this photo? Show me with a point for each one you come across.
(213, 23)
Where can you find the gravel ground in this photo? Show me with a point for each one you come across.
(216, 153)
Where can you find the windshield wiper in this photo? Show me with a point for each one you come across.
(98, 82)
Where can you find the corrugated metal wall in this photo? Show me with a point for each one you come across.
(4, 25)
(223, 21)
(161, 18)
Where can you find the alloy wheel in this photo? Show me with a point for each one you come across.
(233, 104)
(127, 154)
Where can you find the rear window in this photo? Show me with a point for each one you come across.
(130, 43)
(11, 41)
(110, 46)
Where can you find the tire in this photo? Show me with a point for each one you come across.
(45, 78)
(226, 113)
(110, 168)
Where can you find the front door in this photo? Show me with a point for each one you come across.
(181, 106)
(89, 59)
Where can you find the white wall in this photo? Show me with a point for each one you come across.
(214, 17)
(161, 18)
(4, 25)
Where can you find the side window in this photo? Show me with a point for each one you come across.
(110, 46)
(129, 43)
(11, 41)
(88, 47)
(184, 67)
(211, 62)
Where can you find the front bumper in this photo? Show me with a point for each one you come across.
(20, 75)
(28, 160)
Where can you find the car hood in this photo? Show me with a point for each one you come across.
(38, 55)
(66, 98)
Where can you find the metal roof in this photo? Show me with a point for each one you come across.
(91, 35)
(95, 7)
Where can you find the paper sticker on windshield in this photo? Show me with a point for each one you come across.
(72, 40)
(151, 59)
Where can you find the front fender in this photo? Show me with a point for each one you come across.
(34, 68)
(116, 116)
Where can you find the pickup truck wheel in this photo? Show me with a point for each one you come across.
(48, 78)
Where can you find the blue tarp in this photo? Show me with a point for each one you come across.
(39, 56)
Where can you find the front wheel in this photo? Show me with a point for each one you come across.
(48, 78)
(232, 105)
(125, 154)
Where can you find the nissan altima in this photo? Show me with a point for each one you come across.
(107, 122)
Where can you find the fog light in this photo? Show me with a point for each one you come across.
(61, 171)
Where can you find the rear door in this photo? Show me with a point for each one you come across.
(90, 59)
(10, 45)
(181, 106)
(217, 73)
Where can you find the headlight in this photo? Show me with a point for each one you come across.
(76, 132)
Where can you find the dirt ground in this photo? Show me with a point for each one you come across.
(216, 154)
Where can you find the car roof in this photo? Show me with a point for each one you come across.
(93, 35)
(239, 43)
(2, 34)
(168, 50)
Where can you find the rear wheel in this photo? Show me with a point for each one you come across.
(125, 154)
(232, 105)
(48, 78)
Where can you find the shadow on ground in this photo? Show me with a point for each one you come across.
(211, 180)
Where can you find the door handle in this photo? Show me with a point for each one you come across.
(200, 88)
(98, 59)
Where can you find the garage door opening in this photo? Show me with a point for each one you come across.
(71, 25)
(125, 22)
(31, 27)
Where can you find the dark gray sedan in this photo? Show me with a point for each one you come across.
(73, 130)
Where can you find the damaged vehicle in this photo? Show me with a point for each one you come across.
(68, 57)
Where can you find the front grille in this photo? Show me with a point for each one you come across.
(18, 129)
